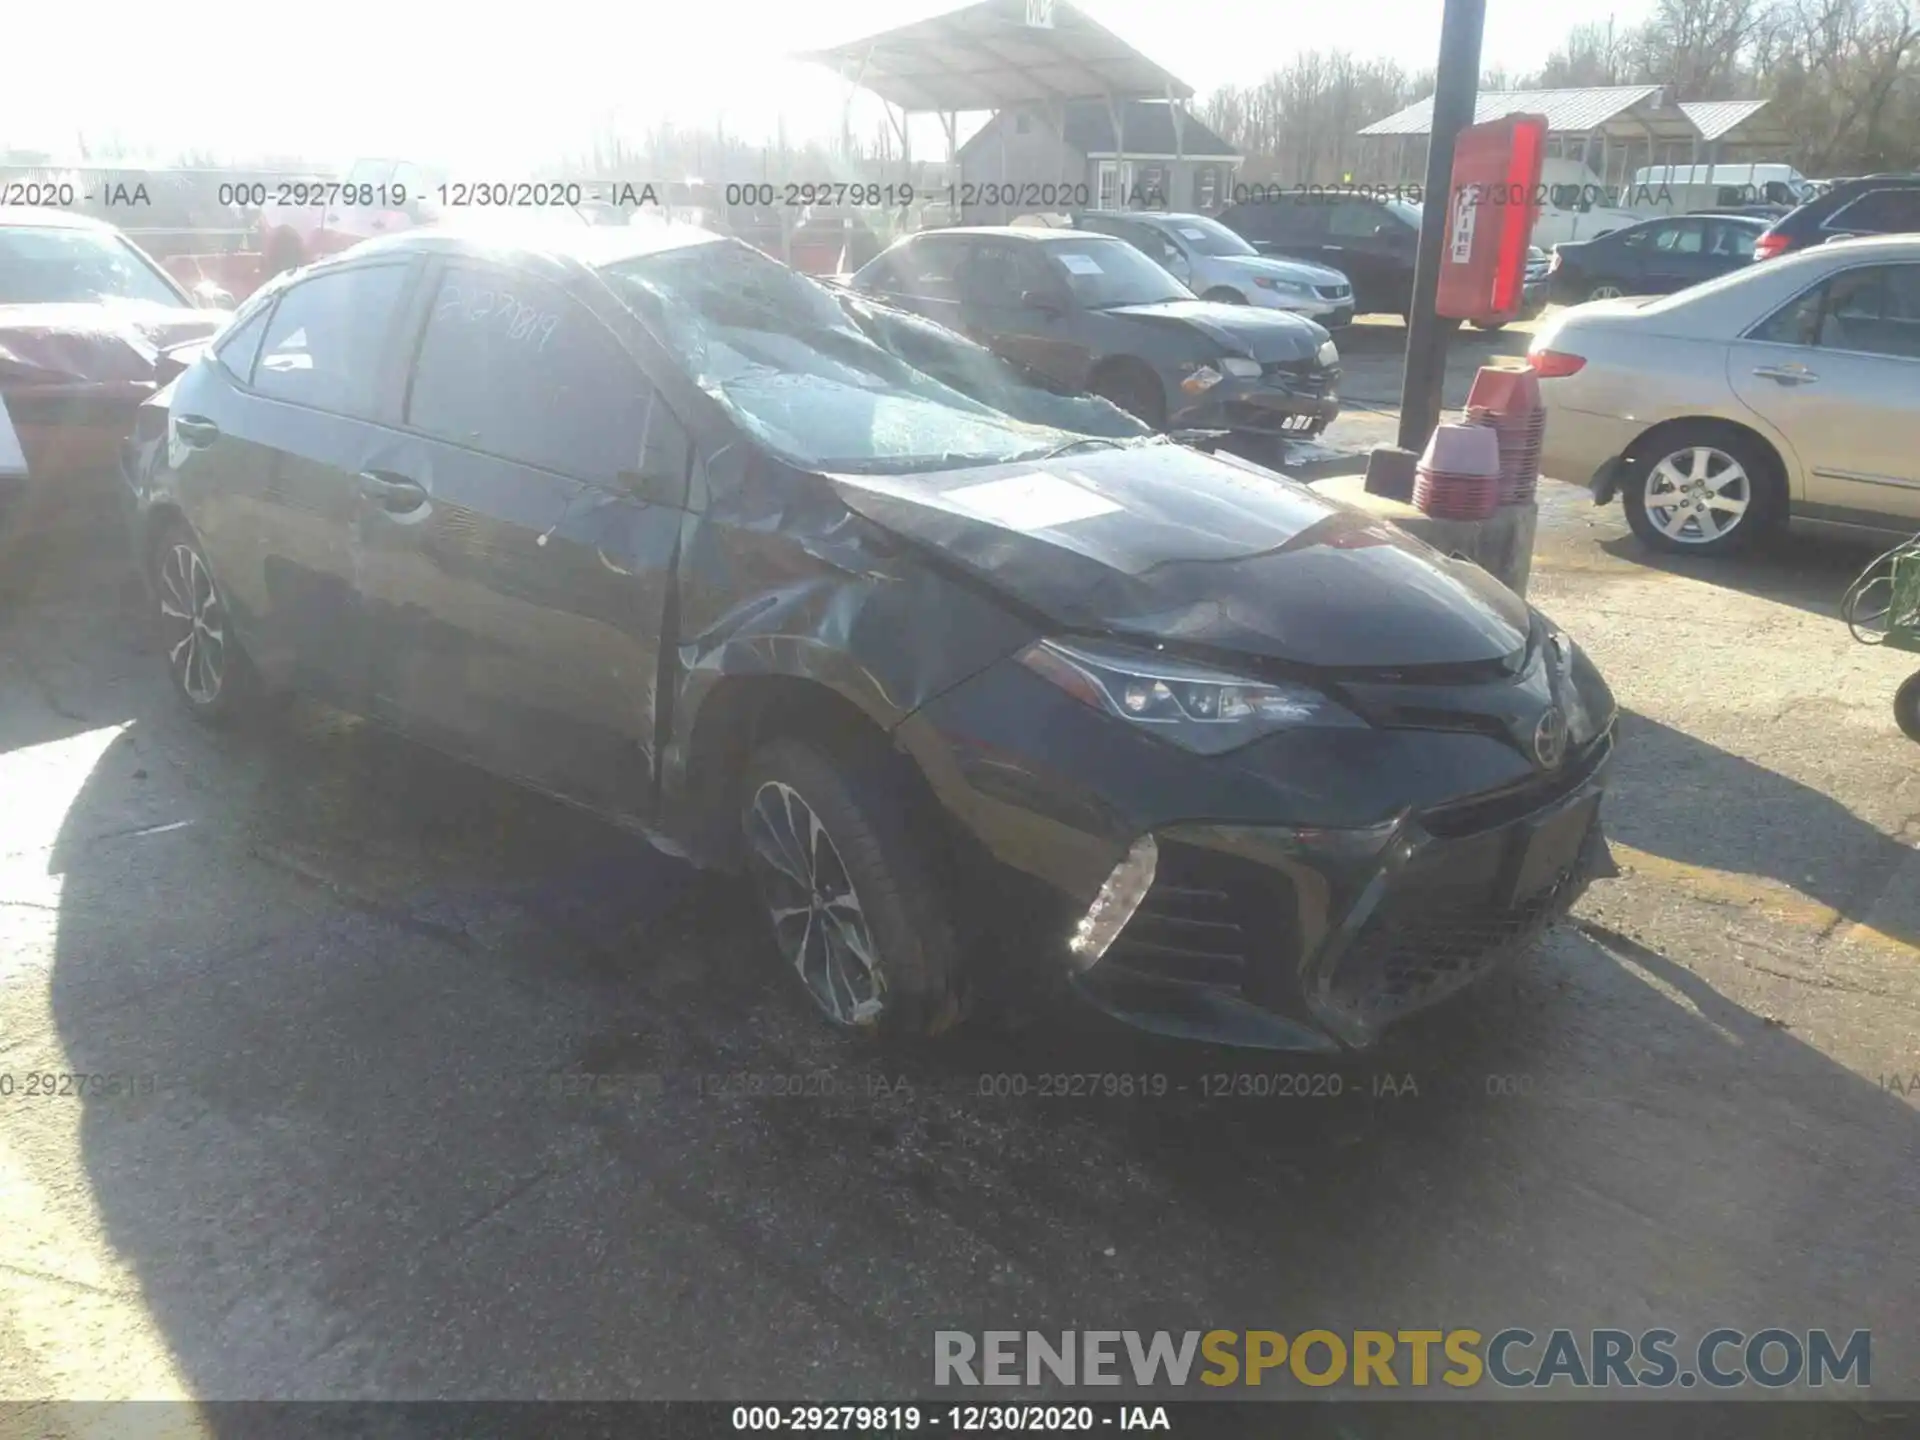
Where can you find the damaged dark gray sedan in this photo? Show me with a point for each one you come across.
(816, 588)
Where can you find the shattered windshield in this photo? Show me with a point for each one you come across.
(824, 390)
(58, 266)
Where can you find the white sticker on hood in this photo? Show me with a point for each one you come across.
(1192, 232)
(1035, 501)
(13, 460)
(1080, 264)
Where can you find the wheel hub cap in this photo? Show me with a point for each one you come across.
(1697, 495)
(193, 625)
(818, 920)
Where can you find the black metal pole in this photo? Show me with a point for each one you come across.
(1456, 85)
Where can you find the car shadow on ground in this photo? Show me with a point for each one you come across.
(458, 1093)
(1807, 571)
(1689, 801)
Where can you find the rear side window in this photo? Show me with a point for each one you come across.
(1354, 220)
(1733, 240)
(1276, 220)
(1880, 212)
(510, 366)
(1874, 310)
(324, 344)
(927, 268)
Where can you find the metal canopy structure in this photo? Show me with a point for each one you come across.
(1614, 128)
(1035, 55)
(1620, 111)
(993, 56)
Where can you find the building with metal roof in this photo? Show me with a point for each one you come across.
(1081, 118)
(1612, 129)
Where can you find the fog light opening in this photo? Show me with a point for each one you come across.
(1113, 907)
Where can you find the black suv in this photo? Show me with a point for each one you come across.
(1371, 239)
(1871, 205)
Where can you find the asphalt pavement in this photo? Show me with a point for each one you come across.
(425, 1087)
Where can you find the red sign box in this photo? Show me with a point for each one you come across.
(1491, 208)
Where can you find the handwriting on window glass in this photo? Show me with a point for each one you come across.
(500, 312)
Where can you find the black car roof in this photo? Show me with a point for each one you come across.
(557, 243)
(1018, 232)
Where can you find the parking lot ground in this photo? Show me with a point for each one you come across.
(429, 1088)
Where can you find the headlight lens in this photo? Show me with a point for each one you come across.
(1280, 287)
(1196, 707)
(1328, 354)
(1240, 366)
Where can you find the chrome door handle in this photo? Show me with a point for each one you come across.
(393, 494)
(1787, 374)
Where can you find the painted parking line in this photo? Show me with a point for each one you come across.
(1771, 897)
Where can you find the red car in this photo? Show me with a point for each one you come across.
(323, 217)
(85, 315)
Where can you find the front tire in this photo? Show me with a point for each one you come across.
(1134, 390)
(1220, 295)
(856, 914)
(1605, 291)
(1906, 706)
(1703, 490)
(209, 671)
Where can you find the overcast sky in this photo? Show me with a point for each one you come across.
(491, 89)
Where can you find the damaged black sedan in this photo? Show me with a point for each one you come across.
(813, 587)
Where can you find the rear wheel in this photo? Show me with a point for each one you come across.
(1604, 291)
(849, 889)
(1490, 326)
(1220, 294)
(1134, 390)
(1703, 490)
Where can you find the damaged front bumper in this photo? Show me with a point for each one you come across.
(1307, 893)
(1278, 402)
(1282, 938)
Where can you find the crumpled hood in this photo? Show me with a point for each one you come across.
(1162, 543)
(1266, 335)
(1301, 272)
(110, 343)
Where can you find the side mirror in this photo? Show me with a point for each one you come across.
(1045, 301)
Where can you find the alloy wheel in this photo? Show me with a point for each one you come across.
(1605, 292)
(1698, 495)
(193, 625)
(817, 917)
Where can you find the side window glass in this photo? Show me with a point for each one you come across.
(1354, 220)
(1795, 323)
(1881, 212)
(927, 269)
(512, 367)
(238, 347)
(1875, 311)
(325, 341)
(1667, 238)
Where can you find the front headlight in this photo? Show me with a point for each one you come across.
(1196, 707)
(1239, 366)
(1281, 287)
(1328, 354)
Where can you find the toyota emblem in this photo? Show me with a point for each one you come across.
(1550, 738)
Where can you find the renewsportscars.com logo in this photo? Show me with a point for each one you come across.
(1512, 1358)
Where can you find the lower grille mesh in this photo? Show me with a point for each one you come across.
(1420, 947)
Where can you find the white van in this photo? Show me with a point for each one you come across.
(1681, 189)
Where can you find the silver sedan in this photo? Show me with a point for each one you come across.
(1789, 390)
